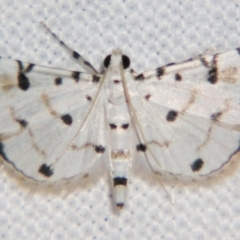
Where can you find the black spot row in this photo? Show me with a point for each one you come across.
(76, 76)
(123, 126)
(159, 72)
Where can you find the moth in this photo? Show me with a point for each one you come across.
(179, 119)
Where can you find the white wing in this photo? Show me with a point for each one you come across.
(190, 114)
(43, 111)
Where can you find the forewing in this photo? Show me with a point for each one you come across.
(46, 129)
(190, 114)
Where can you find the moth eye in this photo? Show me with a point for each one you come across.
(125, 61)
(106, 61)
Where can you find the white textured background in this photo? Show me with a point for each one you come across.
(152, 33)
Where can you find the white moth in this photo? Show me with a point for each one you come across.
(182, 119)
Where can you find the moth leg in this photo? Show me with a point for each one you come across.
(73, 54)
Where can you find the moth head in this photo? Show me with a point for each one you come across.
(115, 58)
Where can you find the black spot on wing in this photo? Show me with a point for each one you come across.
(125, 126)
(216, 116)
(147, 96)
(212, 75)
(76, 55)
(45, 170)
(87, 64)
(99, 149)
(112, 125)
(171, 116)
(141, 147)
(95, 79)
(58, 81)
(178, 77)
(204, 62)
(88, 98)
(2, 153)
(197, 165)
(139, 77)
(171, 64)
(23, 82)
(160, 71)
(67, 119)
(116, 81)
(76, 75)
(23, 123)
(120, 181)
